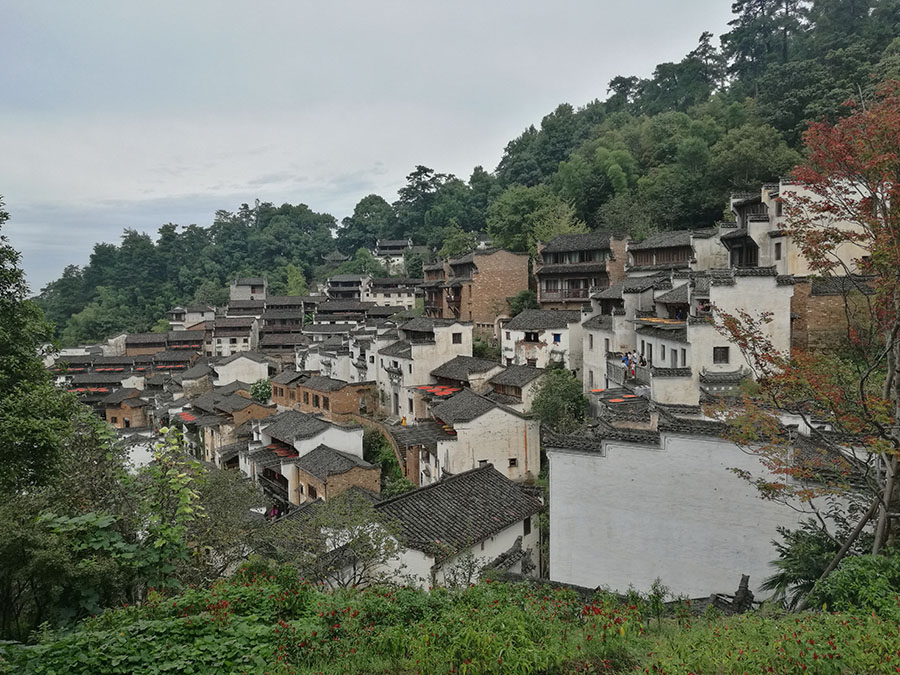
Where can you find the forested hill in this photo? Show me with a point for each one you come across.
(657, 153)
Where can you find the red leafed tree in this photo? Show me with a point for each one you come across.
(846, 221)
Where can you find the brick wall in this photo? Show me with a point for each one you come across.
(139, 351)
(368, 479)
(821, 320)
(136, 416)
(799, 308)
(501, 275)
(616, 268)
(340, 403)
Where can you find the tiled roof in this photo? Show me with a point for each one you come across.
(677, 296)
(287, 377)
(290, 300)
(639, 284)
(577, 242)
(145, 338)
(614, 292)
(392, 243)
(99, 378)
(322, 383)
(244, 322)
(584, 442)
(459, 511)
(291, 425)
(276, 339)
(347, 277)
(422, 324)
(325, 461)
(250, 281)
(424, 433)
(230, 451)
(728, 377)
(460, 367)
(344, 306)
(462, 407)
(537, 319)
(179, 355)
(185, 335)
(517, 376)
(117, 397)
(502, 399)
(328, 328)
(198, 370)
(246, 304)
(569, 268)
(663, 240)
(272, 314)
(136, 403)
(598, 321)
(401, 349)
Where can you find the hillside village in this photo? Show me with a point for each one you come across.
(647, 486)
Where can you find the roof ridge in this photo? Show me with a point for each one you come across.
(443, 481)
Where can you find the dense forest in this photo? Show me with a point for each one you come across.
(661, 152)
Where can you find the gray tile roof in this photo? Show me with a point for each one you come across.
(325, 461)
(577, 242)
(338, 306)
(246, 304)
(401, 349)
(249, 281)
(120, 395)
(347, 277)
(677, 296)
(614, 292)
(584, 442)
(462, 407)
(841, 285)
(569, 268)
(424, 433)
(517, 376)
(322, 383)
(671, 239)
(538, 319)
(287, 377)
(282, 339)
(327, 328)
(291, 425)
(244, 322)
(460, 511)
(145, 338)
(639, 284)
(460, 367)
(422, 324)
(598, 322)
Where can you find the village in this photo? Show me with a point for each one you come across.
(647, 488)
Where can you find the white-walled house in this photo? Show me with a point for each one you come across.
(423, 344)
(479, 432)
(242, 367)
(479, 513)
(634, 504)
(516, 387)
(540, 337)
(292, 454)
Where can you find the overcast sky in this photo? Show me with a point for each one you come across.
(126, 114)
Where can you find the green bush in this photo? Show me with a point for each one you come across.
(865, 582)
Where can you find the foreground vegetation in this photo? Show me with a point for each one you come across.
(264, 620)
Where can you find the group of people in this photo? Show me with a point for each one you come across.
(632, 360)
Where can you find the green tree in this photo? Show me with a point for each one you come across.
(522, 216)
(296, 280)
(261, 390)
(523, 300)
(372, 219)
(558, 402)
(457, 242)
(364, 262)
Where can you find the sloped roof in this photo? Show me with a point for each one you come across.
(246, 304)
(841, 286)
(287, 377)
(249, 281)
(677, 295)
(347, 277)
(401, 349)
(577, 242)
(423, 324)
(517, 376)
(325, 461)
(291, 425)
(459, 511)
(460, 367)
(145, 338)
(322, 383)
(234, 322)
(598, 321)
(463, 407)
(120, 395)
(613, 292)
(537, 319)
(198, 370)
(664, 240)
(424, 433)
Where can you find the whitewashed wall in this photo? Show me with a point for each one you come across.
(677, 513)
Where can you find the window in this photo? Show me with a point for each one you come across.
(531, 362)
(293, 395)
(606, 345)
(590, 341)
(778, 251)
(410, 369)
(300, 488)
(720, 354)
(315, 400)
(218, 341)
(513, 462)
(311, 492)
(662, 352)
(371, 359)
(457, 338)
(244, 340)
(509, 360)
(507, 335)
(409, 403)
(306, 397)
(531, 336)
(113, 419)
(557, 338)
(591, 379)
(526, 526)
(326, 403)
(684, 358)
(482, 462)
